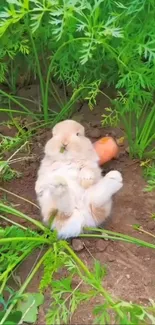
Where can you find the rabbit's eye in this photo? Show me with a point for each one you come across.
(77, 133)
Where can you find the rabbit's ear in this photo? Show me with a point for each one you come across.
(53, 131)
(48, 147)
(81, 130)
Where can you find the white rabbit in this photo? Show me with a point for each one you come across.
(70, 184)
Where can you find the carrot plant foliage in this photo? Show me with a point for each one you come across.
(84, 45)
(17, 243)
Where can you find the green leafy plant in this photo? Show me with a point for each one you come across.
(80, 46)
(9, 143)
(74, 43)
(138, 126)
(31, 33)
(7, 173)
(149, 173)
(18, 242)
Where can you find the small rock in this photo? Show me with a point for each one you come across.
(77, 245)
(128, 276)
(127, 150)
(151, 225)
(146, 259)
(111, 258)
(95, 133)
(101, 245)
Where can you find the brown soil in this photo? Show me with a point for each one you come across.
(130, 269)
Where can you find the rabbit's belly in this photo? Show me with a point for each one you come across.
(78, 194)
(69, 172)
(70, 175)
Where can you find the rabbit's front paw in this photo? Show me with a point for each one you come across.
(58, 186)
(115, 175)
(86, 178)
(114, 181)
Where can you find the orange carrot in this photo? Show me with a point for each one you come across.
(106, 149)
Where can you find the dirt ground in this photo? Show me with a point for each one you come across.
(130, 269)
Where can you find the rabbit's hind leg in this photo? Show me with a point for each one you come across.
(54, 197)
(100, 196)
(102, 192)
(62, 196)
(69, 227)
(47, 205)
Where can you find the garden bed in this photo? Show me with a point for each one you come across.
(130, 268)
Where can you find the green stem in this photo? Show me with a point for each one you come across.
(38, 69)
(104, 237)
(13, 222)
(64, 90)
(24, 286)
(77, 260)
(90, 275)
(18, 103)
(15, 123)
(55, 98)
(117, 236)
(4, 283)
(148, 125)
(57, 94)
(53, 59)
(76, 95)
(150, 154)
(150, 140)
(51, 65)
(12, 267)
(21, 112)
(10, 210)
(101, 92)
(16, 239)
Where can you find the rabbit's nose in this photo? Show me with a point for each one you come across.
(65, 144)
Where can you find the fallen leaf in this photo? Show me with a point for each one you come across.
(145, 163)
(127, 150)
(39, 298)
(28, 305)
(120, 141)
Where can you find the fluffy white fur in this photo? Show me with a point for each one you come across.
(70, 182)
